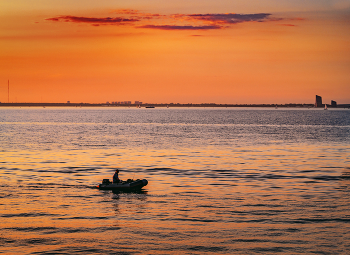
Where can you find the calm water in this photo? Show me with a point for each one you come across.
(223, 181)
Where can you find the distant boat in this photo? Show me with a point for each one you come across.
(325, 107)
(128, 185)
(150, 106)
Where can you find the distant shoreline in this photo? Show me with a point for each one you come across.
(165, 105)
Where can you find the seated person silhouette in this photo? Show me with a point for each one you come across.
(116, 177)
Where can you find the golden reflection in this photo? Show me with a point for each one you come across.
(207, 199)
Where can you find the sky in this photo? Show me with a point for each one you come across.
(158, 51)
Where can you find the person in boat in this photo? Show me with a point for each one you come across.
(116, 177)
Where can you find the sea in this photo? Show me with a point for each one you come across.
(220, 180)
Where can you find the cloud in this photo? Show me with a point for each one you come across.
(94, 21)
(137, 14)
(127, 11)
(209, 21)
(174, 27)
(228, 18)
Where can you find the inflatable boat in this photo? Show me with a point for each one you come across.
(128, 185)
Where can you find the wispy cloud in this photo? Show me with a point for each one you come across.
(174, 27)
(138, 14)
(288, 25)
(225, 18)
(140, 19)
(91, 20)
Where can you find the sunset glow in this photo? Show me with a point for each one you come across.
(182, 52)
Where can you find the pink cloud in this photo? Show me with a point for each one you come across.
(107, 20)
(207, 21)
(175, 27)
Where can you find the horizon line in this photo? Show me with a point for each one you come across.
(312, 105)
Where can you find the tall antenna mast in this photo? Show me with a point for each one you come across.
(8, 91)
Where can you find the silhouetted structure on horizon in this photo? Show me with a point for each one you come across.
(318, 102)
(334, 103)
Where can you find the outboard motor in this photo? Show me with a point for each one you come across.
(106, 181)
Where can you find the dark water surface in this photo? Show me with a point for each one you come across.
(221, 181)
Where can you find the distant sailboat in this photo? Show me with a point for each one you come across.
(325, 107)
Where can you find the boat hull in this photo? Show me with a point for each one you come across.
(124, 186)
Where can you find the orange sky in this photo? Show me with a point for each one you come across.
(188, 51)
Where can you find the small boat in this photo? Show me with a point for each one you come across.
(150, 106)
(325, 107)
(128, 185)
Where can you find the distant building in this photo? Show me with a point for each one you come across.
(138, 102)
(318, 102)
(68, 102)
(334, 103)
